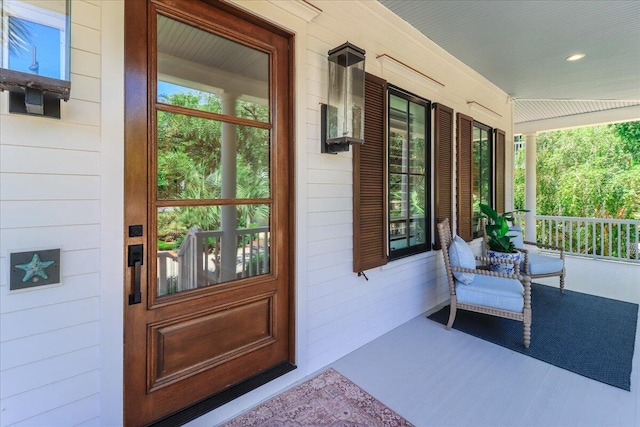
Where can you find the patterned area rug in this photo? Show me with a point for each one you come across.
(328, 399)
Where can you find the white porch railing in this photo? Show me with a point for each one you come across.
(606, 238)
(197, 261)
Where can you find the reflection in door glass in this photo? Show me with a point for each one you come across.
(199, 246)
(189, 156)
(203, 71)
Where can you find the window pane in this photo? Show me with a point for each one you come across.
(194, 250)
(485, 171)
(204, 71)
(418, 209)
(189, 155)
(417, 196)
(397, 196)
(417, 125)
(398, 134)
(398, 234)
(418, 232)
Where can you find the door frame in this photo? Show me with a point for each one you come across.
(137, 125)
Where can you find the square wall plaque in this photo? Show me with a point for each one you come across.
(34, 268)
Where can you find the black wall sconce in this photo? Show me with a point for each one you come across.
(35, 55)
(342, 119)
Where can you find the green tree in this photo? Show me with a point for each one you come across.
(585, 172)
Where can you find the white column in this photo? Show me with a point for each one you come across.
(228, 214)
(530, 187)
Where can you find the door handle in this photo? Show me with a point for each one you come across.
(135, 259)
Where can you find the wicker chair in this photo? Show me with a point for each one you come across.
(534, 265)
(488, 292)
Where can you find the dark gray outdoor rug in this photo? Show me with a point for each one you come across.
(589, 335)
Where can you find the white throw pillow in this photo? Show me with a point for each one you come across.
(461, 255)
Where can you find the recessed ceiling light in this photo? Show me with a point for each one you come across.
(575, 57)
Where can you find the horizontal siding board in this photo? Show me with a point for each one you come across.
(328, 246)
(49, 187)
(319, 219)
(31, 132)
(319, 262)
(86, 63)
(326, 190)
(73, 414)
(71, 238)
(329, 232)
(40, 320)
(75, 288)
(49, 397)
(317, 160)
(85, 38)
(318, 176)
(15, 159)
(326, 280)
(81, 112)
(80, 263)
(329, 205)
(40, 347)
(86, 14)
(26, 214)
(27, 377)
(85, 88)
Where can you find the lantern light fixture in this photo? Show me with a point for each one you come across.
(342, 121)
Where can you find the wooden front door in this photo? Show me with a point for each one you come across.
(208, 223)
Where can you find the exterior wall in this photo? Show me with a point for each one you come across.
(61, 185)
(50, 186)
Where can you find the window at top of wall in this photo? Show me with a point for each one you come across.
(409, 176)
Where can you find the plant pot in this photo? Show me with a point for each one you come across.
(500, 267)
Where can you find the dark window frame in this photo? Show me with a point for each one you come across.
(491, 175)
(428, 196)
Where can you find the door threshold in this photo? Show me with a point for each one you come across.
(215, 401)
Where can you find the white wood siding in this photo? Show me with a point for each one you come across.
(50, 198)
(61, 186)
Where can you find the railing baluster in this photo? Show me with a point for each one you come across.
(618, 240)
(593, 239)
(570, 236)
(628, 242)
(601, 238)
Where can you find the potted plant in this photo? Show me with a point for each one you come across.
(498, 238)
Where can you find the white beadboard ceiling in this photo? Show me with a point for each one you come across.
(521, 47)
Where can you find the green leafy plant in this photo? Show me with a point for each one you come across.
(497, 228)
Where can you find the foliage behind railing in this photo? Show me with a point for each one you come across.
(595, 237)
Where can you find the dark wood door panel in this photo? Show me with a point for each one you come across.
(187, 343)
(180, 347)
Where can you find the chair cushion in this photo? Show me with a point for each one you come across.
(495, 292)
(543, 264)
(516, 231)
(461, 255)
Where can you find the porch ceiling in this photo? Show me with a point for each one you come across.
(521, 47)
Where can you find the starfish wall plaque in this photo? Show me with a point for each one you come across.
(37, 268)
